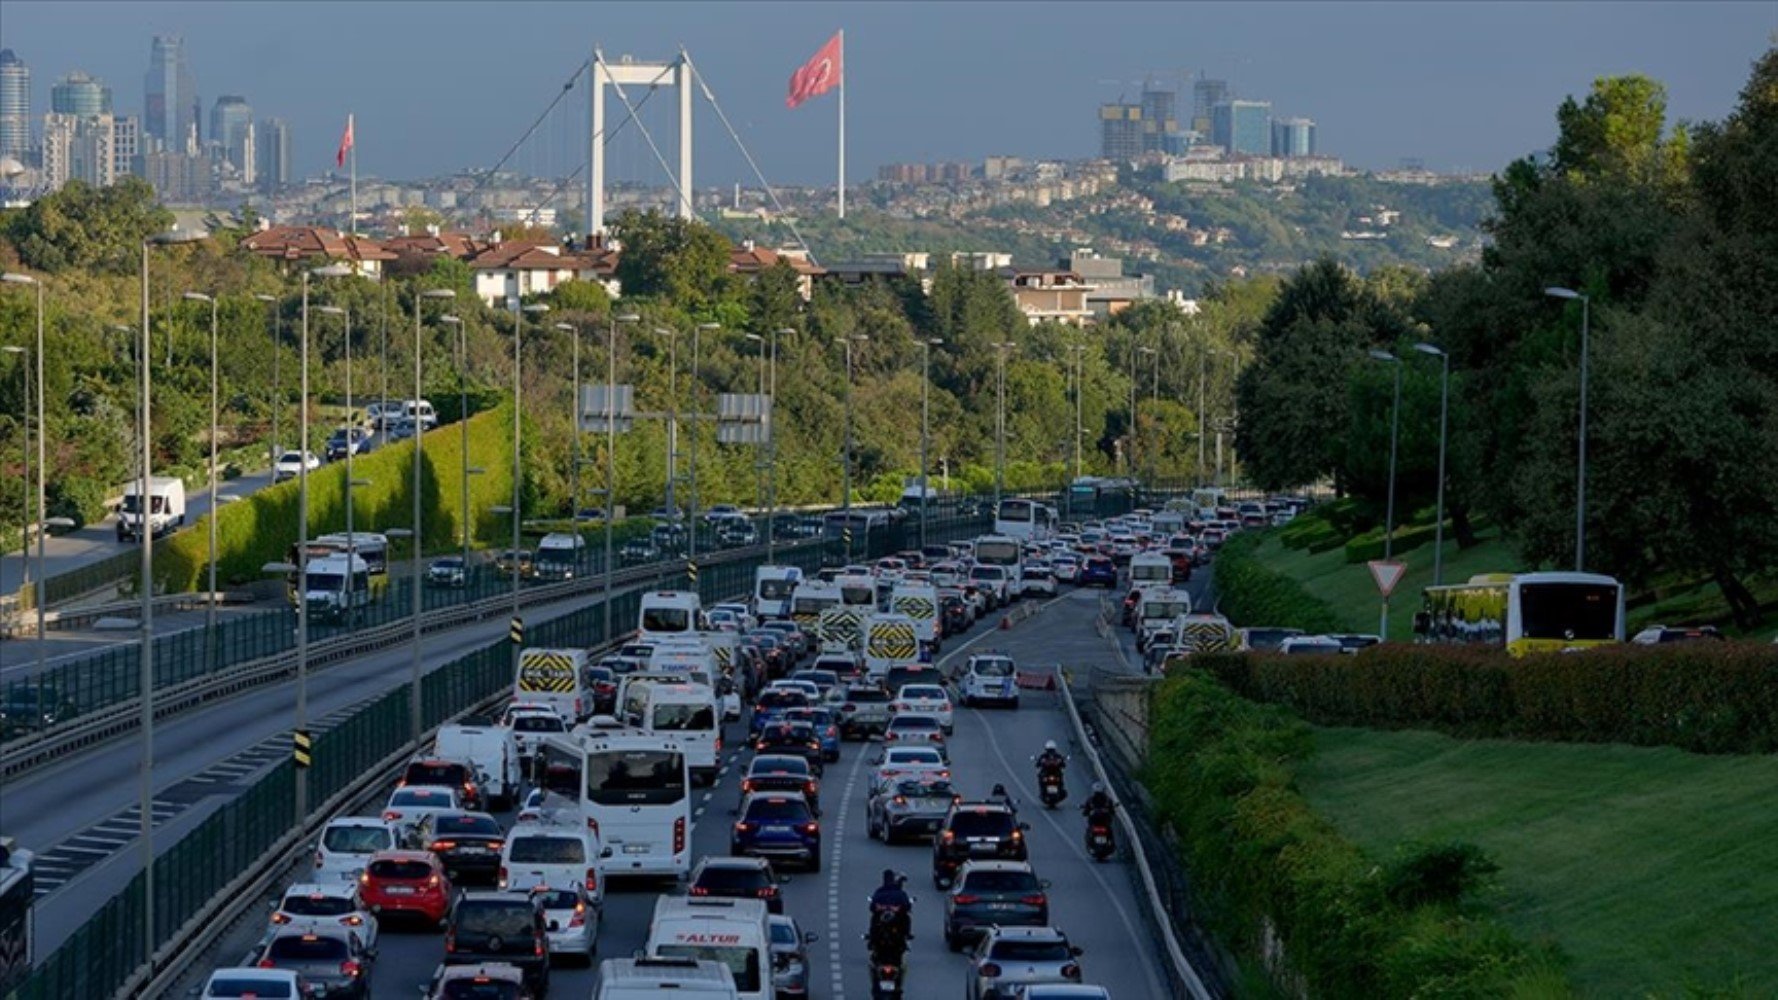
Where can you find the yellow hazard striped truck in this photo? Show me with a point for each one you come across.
(919, 601)
(1200, 633)
(890, 640)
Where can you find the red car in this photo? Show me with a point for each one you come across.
(409, 883)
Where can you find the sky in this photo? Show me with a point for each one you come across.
(442, 86)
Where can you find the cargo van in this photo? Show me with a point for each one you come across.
(667, 614)
(558, 556)
(773, 589)
(556, 678)
(649, 978)
(1151, 569)
(686, 711)
(553, 849)
(890, 641)
(919, 601)
(491, 751)
(166, 507)
(733, 932)
(338, 587)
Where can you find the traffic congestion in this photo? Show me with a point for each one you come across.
(852, 783)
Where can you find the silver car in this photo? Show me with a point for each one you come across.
(909, 807)
(571, 920)
(790, 957)
(1010, 957)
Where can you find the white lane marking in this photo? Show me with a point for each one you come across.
(836, 970)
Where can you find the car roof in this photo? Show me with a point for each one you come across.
(1026, 933)
(320, 889)
(486, 970)
(731, 861)
(994, 866)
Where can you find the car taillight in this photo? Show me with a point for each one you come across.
(266, 963)
(1018, 835)
(747, 785)
(579, 918)
(432, 882)
(766, 892)
(350, 968)
(990, 970)
(592, 824)
(592, 880)
(1071, 971)
(950, 835)
(578, 712)
(679, 835)
(318, 861)
(468, 790)
(537, 947)
(280, 918)
(390, 814)
(901, 800)
(810, 787)
(352, 921)
(848, 707)
(699, 890)
(364, 878)
(442, 845)
(811, 828)
(742, 826)
(501, 877)
(1036, 900)
(450, 941)
(966, 898)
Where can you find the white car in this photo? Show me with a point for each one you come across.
(924, 699)
(740, 612)
(347, 843)
(290, 465)
(1036, 580)
(571, 920)
(905, 761)
(1065, 568)
(247, 981)
(1311, 645)
(407, 804)
(807, 687)
(989, 677)
(330, 904)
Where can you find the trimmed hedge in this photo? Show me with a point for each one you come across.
(261, 528)
(1261, 859)
(1701, 697)
(1253, 594)
(1369, 545)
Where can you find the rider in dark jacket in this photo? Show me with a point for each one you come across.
(889, 935)
(1098, 806)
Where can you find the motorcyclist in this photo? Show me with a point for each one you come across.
(892, 916)
(1098, 807)
(1051, 759)
(1000, 795)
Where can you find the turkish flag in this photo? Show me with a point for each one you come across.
(339, 158)
(819, 75)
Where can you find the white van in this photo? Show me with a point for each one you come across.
(557, 678)
(421, 412)
(1151, 569)
(773, 588)
(890, 641)
(918, 601)
(555, 849)
(668, 613)
(733, 932)
(491, 751)
(338, 587)
(649, 978)
(166, 507)
(688, 712)
(1157, 609)
(367, 545)
(558, 556)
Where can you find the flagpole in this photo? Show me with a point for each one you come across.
(352, 151)
(842, 123)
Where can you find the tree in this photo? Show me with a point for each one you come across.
(672, 258)
(581, 296)
(81, 227)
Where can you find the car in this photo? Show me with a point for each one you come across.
(826, 725)
(906, 761)
(507, 559)
(782, 772)
(792, 736)
(1310, 645)
(827, 682)
(1660, 635)
(864, 711)
(531, 725)
(1010, 957)
(407, 884)
(777, 825)
(1065, 568)
(334, 962)
(792, 635)
(448, 571)
(325, 904)
(914, 806)
(570, 920)
(989, 678)
(1097, 571)
(976, 831)
(345, 441)
(1037, 580)
(251, 981)
(291, 464)
(1352, 642)
(487, 981)
(790, 957)
(994, 894)
(738, 878)
(955, 615)
(925, 699)
(808, 686)
(348, 843)
(996, 581)
(773, 702)
(909, 727)
(506, 927)
(29, 707)
(467, 844)
(407, 803)
(447, 773)
(637, 551)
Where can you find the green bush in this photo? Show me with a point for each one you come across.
(1702, 697)
(1446, 873)
(1249, 592)
(78, 498)
(1310, 530)
(1369, 545)
(1221, 771)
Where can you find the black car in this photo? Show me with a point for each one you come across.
(466, 843)
(783, 772)
(638, 551)
(488, 927)
(796, 738)
(335, 963)
(987, 831)
(445, 773)
(738, 878)
(994, 893)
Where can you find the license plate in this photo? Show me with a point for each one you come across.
(635, 848)
(400, 890)
(886, 984)
(981, 848)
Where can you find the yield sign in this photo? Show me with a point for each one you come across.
(1387, 573)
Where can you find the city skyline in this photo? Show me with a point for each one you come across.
(1478, 107)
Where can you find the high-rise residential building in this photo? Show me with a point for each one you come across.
(1293, 137)
(179, 178)
(1160, 118)
(272, 160)
(171, 109)
(1206, 95)
(229, 121)
(1120, 131)
(126, 145)
(79, 147)
(15, 105)
(79, 94)
(1242, 127)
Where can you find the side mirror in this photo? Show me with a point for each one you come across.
(1043, 883)
(810, 937)
(1076, 951)
(1024, 826)
(606, 853)
(784, 880)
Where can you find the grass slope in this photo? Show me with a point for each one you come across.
(1653, 869)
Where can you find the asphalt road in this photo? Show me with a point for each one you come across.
(1096, 904)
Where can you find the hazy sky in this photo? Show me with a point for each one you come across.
(438, 86)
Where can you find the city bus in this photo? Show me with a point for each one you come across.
(634, 790)
(1026, 520)
(999, 550)
(1524, 613)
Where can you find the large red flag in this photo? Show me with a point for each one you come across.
(819, 75)
(345, 144)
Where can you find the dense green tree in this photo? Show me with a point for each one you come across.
(671, 258)
(80, 227)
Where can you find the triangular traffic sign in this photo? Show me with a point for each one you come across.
(1387, 573)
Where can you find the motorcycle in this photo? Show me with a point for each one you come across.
(1050, 788)
(886, 963)
(885, 980)
(1099, 840)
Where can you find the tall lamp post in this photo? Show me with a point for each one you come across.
(772, 440)
(695, 517)
(210, 602)
(574, 508)
(627, 319)
(672, 336)
(463, 428)
(1135, 433)
(1077, 350)
(416, 723)
(271, 322)
(1444, 413)
(1000, 349)
(345, 316)
(1580, 487)
(926, 347)
(516, 563)
(846, 460)
(1389, 509)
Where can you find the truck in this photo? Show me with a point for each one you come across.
(166, 507)
(558, 556)
(556, 678)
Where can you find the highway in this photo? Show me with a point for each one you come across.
(1094, 903)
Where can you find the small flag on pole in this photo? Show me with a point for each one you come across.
(819, 75)
(339, 158)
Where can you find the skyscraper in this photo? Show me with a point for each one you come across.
(1293, 137)
(229, 121)
(1242, 127)
(79, 94)
(272, 164)
(1120, 131)
(170, 108)
(1160, 117)
(15, 105)
(1206, 95)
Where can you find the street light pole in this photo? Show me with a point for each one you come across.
(846, 466)
(463, 429)
(271, 317)
(416, 723)
(772, 440)
(672, 336)
(1580, 488)
(210, 602)
(1000, 349)
(516, 563)
(1135, 434)
(611, 452)
(694, 517)
(926, 347)
(573, 333)
(1444, 413)
(759, 451)
(1389, 515)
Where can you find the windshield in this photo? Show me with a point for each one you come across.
(999, 553)
(318, 906)
(998, 881)
(405, 870)
(538, 724)
(783, 698)
(1585, 611)
(992, 668)
(264, 989)
(913, 755)
(987, 823)
(666, 620)
(723, 878)
(1013, 510)
(675, 718)
(778, 764)
(742, 963)
(1164, 609)
(858, 595)
(475, 989)
(480, 921)
(915, 788)
(635, 777)
(327, 581)
(778, 809)
(422, 797)
(987, 573)
(922, 692)
(308, 948)
(467, 824)
(435, 774)
(547, 851)
(1031, 951)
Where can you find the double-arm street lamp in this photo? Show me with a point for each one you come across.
(1444, 413)
(1389, 514)
(1580, 487)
